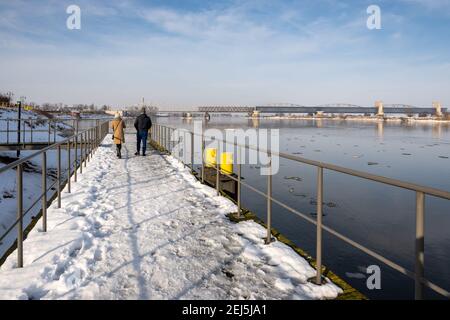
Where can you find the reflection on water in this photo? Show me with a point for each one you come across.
(378, 216)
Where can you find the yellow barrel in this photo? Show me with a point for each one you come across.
(210, 154)
(226, 162)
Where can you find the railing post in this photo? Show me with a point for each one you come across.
(88, 133)
(192, 151)
(49, 131)
(165, 138)
(54, 133)
(239, 183)
(44, 191)
(203, 157)
(169, 139)
(87, 146)
(319, 226)
(7, 131)
(20, 216)
(97, 135)
(75, 167)
(91, 143)
(218, 170)
(68, 166)
(269, 202)
(85, 140)
(58, 176)
(81, 152)
(23, 133)
(420, 244)
(18, 135)
(31, 131)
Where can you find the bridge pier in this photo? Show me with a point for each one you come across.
(379, 107)
(187, 115)
(437, 109)
(256, 114)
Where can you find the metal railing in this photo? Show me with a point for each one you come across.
(85, 143)
(161, 135)
(23, 131)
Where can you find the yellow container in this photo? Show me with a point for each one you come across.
(226, 162)
(210, 154)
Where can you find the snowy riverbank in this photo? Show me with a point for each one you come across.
(144, 228)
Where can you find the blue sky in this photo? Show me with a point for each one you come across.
(184, 53)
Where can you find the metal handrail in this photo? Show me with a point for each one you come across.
(87, 141)
(23, 133)
(162, 136)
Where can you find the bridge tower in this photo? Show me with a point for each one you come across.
(379, 106)
(437, 108)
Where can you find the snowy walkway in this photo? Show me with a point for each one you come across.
(144, 228)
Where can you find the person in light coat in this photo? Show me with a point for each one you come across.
(118, 126)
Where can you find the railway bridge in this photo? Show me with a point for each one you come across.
(379, 109)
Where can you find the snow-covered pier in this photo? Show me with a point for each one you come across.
(145, 228)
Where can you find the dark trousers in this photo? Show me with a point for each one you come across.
(119, 150)
(142, 138)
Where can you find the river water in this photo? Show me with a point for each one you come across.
(378, 216)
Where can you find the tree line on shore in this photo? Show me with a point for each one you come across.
(7, 99)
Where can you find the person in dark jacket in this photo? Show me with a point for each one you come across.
(142, 125)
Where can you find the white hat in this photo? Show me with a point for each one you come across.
(117, 115)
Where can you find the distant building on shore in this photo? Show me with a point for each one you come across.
(4, 101)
